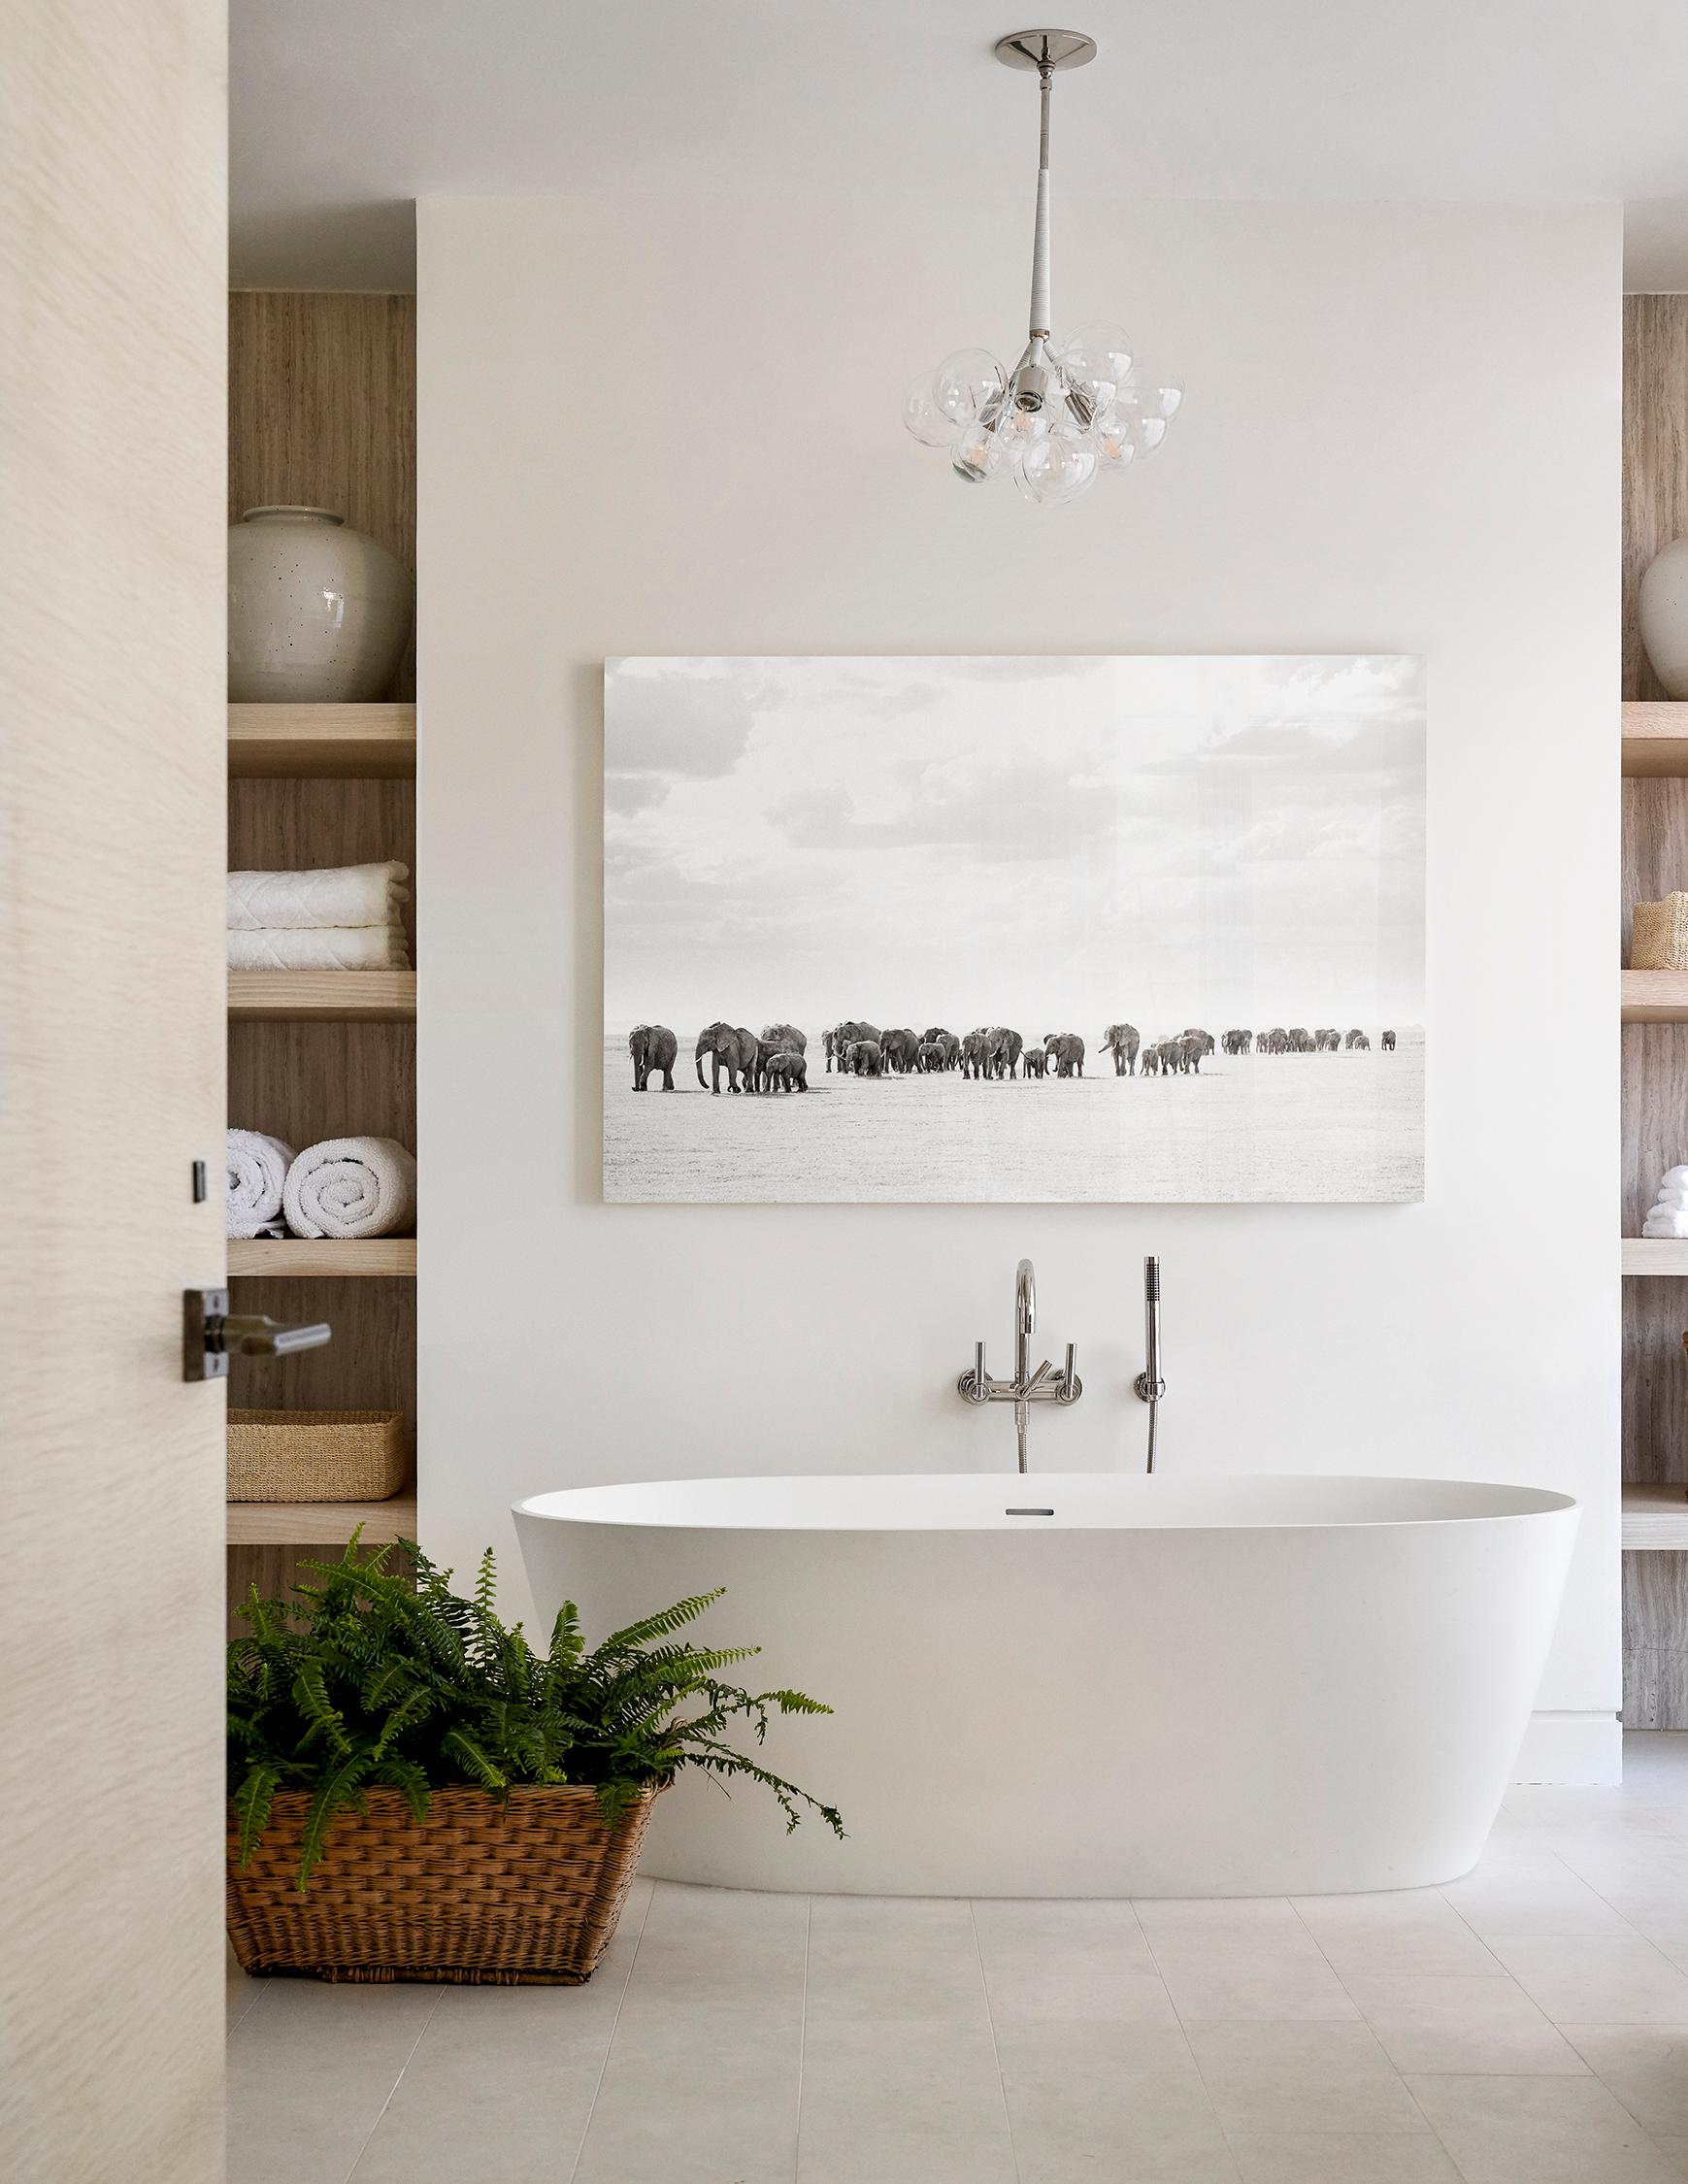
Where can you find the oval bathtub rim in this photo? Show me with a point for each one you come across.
(1546, 1501)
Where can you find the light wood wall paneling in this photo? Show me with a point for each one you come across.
(322, 411)
(370, 1363)
(1655, 466)
(1655, 1380)
(1655, 1595)
(304, 1080)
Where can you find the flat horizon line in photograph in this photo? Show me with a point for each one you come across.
(1028, 839)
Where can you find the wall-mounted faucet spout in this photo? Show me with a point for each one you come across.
(1149, 1384)
(1026, 1387)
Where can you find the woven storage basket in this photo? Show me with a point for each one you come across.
(1659, 934)
(315, 1455)
(480, 1894)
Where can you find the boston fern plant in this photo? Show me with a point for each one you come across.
(376, 1678)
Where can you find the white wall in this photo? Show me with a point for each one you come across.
(672, 427)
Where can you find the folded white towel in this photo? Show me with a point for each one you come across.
(1673, 1179)
(328, 947)
(1672, 1195)
(1666, 1221)
(351, 1186)
(261, 902)
(257, 1170)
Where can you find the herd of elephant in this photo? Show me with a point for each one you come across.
(775, 1059)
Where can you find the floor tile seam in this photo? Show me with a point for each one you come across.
(610, 2039)
(397, 2076)
(1401, 2075)
(995, 2050)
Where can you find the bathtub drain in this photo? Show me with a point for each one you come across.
(1028, 1512)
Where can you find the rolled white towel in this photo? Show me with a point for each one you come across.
(326, 948)
(1665, 1220)
(258, 1170)
(351, 1186)
(261, 902)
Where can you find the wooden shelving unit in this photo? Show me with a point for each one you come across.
(322, 1524)
(1655, 997)
(327, 997)
(363, 1258)
(1655, 742)
(322, 413)
(1655, 1519)
(374, 743)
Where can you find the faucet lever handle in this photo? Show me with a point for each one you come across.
(975, 1385)
(1069, 1390)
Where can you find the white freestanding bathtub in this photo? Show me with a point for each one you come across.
(1078, 1684)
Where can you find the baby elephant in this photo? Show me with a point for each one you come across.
(1033, 1061)
(788, 1072)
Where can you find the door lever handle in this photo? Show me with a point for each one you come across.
(210, 1334)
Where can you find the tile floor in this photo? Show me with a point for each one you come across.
(1527, 2025)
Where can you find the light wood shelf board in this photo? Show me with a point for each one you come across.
(1655, 740)
(1654, 997)
(326, 1258)
(339, 742)
(325, 1524)
(270, 997)
(1655, 1516)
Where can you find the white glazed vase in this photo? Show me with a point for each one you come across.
(1664, 616)
(318, 613)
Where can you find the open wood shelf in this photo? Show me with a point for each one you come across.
(1655, 1517)
(1644, 1255)
(382, 997)
(325, 1524)
(1654, 997)
(327, 1258)
(337, 743)
(1655, 740)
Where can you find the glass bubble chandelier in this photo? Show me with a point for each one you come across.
(1067, 413)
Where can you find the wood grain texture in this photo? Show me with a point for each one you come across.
(1655, 462)
(1650, 1257)
(319, 1524)
(360, 1258)
(322, 411)
(370, 1364)
(1655, 1612)
(1655, 742)
(304, 825)
(341, 742)
(266, 997)
(113, 634)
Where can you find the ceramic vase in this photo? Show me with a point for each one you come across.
(318, 613)
(1664, 616)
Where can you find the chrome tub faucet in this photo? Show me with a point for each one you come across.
(1026, 1387)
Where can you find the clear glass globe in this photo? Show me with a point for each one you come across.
(1016, 428)
(963, 383)
(1154, 390)
(1057, 466)
(975, 454)
(1096, 360)
(1115, 434)
(922, 415)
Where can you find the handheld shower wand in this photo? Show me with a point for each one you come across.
(1149, 1384)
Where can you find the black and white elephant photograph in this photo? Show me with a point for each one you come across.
(987, 853)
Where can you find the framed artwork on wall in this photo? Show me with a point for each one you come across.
(1109, 929)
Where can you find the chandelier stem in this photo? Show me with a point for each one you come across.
(1039, 326)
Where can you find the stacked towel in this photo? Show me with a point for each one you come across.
(342, 917)
(351, 1186)
(257, 1170)
(1669, 1211)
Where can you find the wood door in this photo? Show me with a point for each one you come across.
(111, 724)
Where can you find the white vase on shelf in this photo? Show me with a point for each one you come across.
(1664, 616)
(318, 613)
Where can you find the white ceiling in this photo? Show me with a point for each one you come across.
(344, 111)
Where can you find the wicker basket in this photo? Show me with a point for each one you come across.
(1659, 934)
(315, 1455)
(480, 1893)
